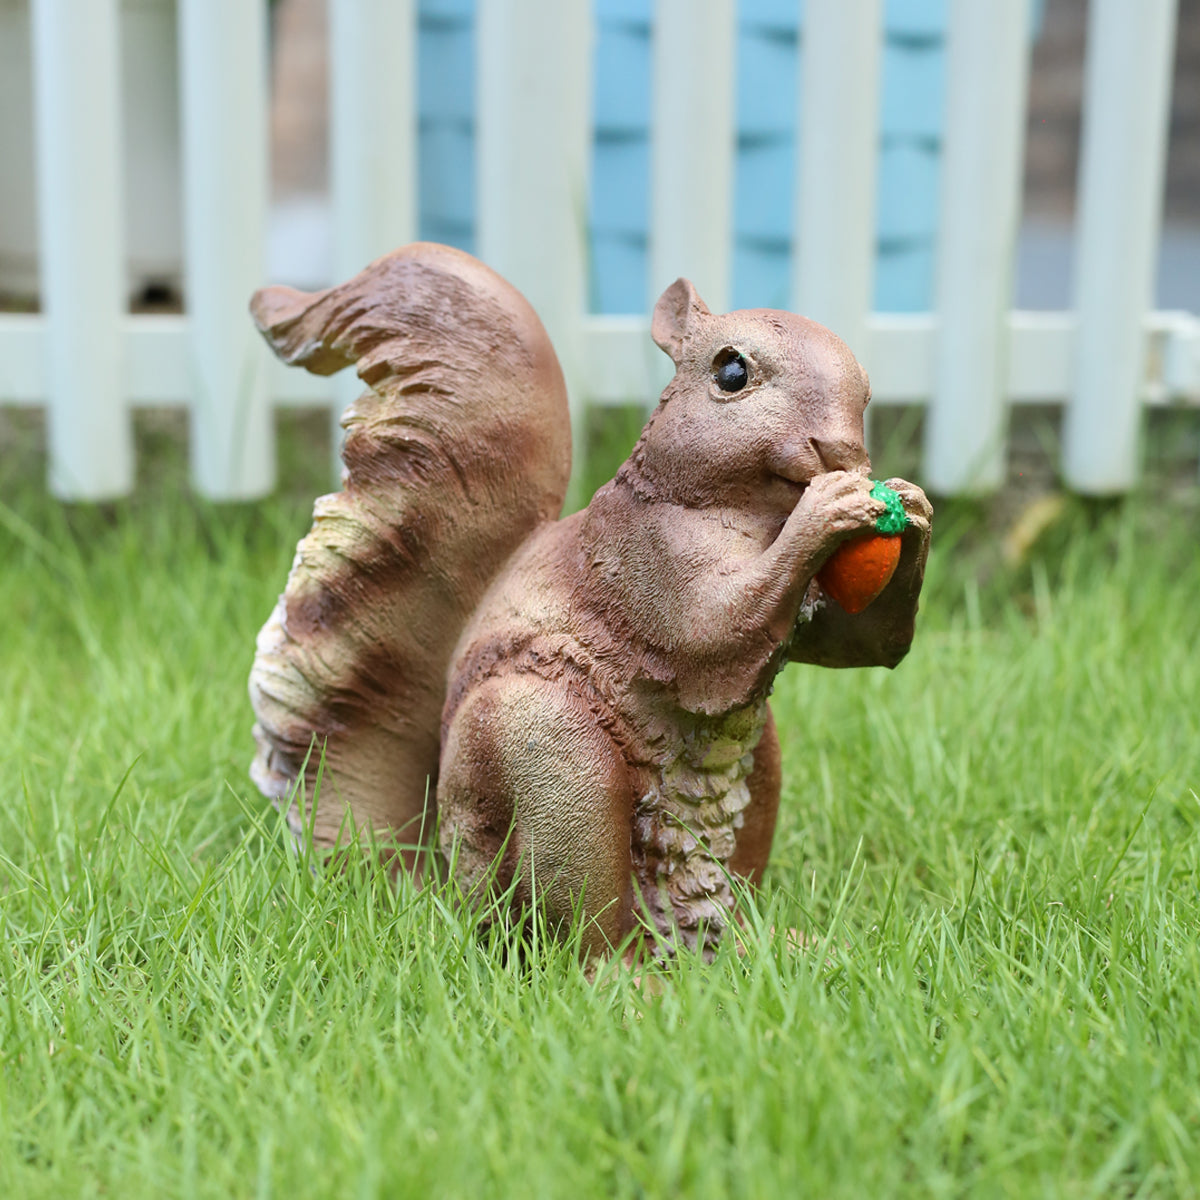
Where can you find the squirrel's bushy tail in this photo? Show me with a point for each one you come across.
(459, 448)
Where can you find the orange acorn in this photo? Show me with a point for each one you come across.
(860, 569)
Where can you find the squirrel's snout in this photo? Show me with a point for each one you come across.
(840, 454)
(803, 460)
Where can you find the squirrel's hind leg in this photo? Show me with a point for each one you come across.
(757, 833)
(532, 788)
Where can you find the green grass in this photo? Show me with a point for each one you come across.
(997, 846)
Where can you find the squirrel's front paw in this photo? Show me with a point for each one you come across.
(916, 505)
(840, 502)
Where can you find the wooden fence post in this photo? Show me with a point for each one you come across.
(75, 51)
(534, 146)
(223, 52)
(834, 258)
(965, 428)
(1121, 180)
(373, 145)
(692, 138)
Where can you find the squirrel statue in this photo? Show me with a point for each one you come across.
(578, 706)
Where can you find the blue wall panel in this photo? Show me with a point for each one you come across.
(446, 181)
(621, 184)
(770, 14)
(621, 88)
(761, 273)
(907, 200)
(626, 10)
(619, 205)
(445, 72)
(915, 19)
(618, 277)
(904, 275)
(767, 80)
(913, 92)
(432, 9)
(446, 122)
(764, 189)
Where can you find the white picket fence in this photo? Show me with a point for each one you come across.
(89, 361)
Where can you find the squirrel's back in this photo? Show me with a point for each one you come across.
(457, 450)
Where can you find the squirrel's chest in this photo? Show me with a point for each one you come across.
(686, 821)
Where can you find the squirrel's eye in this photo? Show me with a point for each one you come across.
(730, 370)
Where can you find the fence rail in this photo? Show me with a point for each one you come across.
(88, 361)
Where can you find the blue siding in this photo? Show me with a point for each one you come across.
(768, 71)
(907, 191)
(621, 83)
(913, 95)
(764, 186)
(763, 189)
(619, 206)
(915, 20)
(768, 78)
(446, 122)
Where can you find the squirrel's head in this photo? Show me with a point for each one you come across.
(761, 402)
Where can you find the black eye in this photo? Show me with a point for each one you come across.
(730, 370)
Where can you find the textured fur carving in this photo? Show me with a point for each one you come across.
(601, 681)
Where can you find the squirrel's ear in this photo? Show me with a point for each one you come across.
(675, 311)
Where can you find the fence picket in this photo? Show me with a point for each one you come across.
(222, 45)
(373, 143)
(534, 131)
(75, 49)
(834, 259)
(965, 429)
(692, 133)
(1123, 156)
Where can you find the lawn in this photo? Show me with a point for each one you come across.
(994, 853)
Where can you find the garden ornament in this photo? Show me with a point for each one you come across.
(579, 707)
